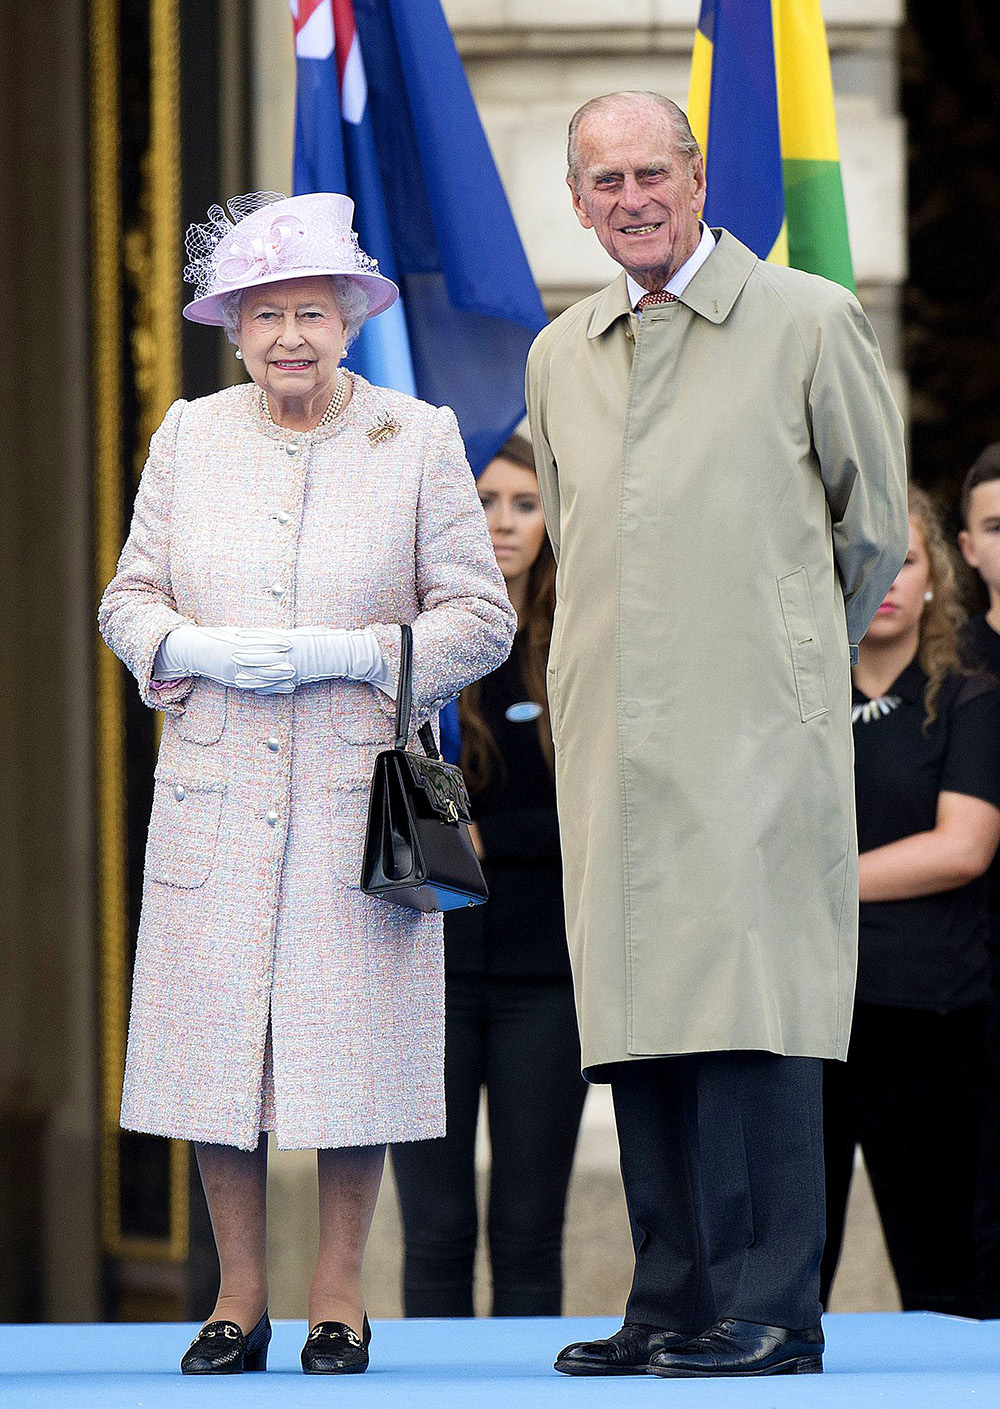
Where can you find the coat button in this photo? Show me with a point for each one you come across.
(271, 819)
(291, 448)
(179, 793)
(284, 517)
(274, 743)
(631, 709)
(276, 589)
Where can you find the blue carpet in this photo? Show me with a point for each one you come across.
(914, 1361)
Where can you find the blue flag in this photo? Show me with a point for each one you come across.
(733, 111)
(385, 116)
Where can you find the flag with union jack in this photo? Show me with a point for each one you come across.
(384, 114)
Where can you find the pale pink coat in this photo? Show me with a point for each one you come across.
(269, 991)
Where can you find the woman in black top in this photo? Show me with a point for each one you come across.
(510, 1022)
(927, 770)
(980, 545)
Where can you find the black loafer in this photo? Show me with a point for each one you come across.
(221, 1348)
(333, 1348)
(742, 1348)
(627, 1352)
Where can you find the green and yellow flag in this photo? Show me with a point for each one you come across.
(761, 105)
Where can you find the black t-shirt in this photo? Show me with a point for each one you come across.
(521, 929)
(982, 648)
(928, 952)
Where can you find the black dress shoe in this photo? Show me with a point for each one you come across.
(627, 1352)
(333, 1348)
(221, 1348)
(742, 1348)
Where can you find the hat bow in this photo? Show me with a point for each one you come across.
(261, 255)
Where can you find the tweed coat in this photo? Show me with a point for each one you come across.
(724, 485)
(269, 992)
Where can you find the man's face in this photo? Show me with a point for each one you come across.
(641, 196)
(980, 542)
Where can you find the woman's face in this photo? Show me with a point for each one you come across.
(509, 495)
(292, 336)
(900, 613)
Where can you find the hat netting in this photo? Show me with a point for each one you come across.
(227, 252)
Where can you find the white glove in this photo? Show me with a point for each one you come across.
(327, 653)
(245, 659)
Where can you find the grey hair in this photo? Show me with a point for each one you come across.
(352, 302)
(685, 139)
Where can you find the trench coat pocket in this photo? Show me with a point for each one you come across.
(804, 645)
(204, 718)
(183, 829)
(348, 821)
(552, 693)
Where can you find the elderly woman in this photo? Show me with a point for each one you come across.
(282, 532)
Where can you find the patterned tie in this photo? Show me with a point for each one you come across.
(648, 300)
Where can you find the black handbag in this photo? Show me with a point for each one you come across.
(418, 851)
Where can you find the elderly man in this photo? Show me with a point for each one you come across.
(722, 471)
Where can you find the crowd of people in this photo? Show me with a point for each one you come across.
(649, 615)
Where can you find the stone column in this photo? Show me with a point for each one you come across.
(48, 1117)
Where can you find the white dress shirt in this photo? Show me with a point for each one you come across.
(684, 274)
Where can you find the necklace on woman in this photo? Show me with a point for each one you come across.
(331, 413)
(875, 709)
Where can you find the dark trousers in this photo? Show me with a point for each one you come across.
(722, 1162)
(518, 1038)
(910, 1095)
(986, 1227)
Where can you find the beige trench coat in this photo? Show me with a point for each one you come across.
(270, 993)
(724, 485)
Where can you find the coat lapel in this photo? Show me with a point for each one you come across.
(712, 292)
(612, 304)
(719, 282)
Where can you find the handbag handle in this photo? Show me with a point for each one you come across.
(404, 690)
(404, 698)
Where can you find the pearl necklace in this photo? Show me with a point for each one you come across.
(330, 414)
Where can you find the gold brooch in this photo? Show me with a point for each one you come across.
(384, 429)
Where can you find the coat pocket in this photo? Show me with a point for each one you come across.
(204, 718)
(804, 645)
(552, 694)
(183, 829)
(357, 715)
(348, 825)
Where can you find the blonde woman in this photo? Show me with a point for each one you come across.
(927, 771)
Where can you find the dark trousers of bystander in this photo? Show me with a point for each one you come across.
(986, 1241)
(722, 1163)
(518, 1038)
(910, 1094)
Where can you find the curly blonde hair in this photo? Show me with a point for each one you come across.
(938, 651)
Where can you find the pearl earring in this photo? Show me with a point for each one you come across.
(928, 596)
(239, 355)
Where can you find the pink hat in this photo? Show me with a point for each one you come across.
(272, 237)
